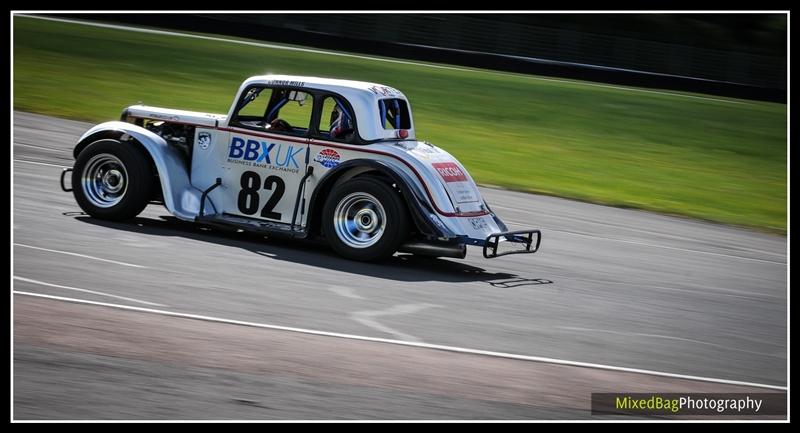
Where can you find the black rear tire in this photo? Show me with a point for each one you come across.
(105, 166)
(394, 219)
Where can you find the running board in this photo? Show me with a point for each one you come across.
(252, 225)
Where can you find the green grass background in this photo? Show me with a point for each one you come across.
(721, 160)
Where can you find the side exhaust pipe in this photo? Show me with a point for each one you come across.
(458, 251)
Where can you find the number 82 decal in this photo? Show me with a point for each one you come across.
(249, 199)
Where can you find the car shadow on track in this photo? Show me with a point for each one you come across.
(400, 267)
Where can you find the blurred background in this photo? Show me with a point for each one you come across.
(745, 51)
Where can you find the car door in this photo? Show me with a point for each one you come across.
(266, 154)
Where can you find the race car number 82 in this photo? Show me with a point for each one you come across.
(249, 199)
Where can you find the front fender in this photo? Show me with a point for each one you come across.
(180, 197)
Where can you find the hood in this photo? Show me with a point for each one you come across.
(171, 115)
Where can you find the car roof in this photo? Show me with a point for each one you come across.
(362, 95)
(330, 84)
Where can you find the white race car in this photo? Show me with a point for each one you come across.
(299, 157)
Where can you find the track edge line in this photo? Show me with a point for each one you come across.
(408, 343)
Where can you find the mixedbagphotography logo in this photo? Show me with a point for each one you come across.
(644, 404)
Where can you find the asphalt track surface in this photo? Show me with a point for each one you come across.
(610, 286)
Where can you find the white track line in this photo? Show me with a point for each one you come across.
(40, 163)
(686, 250)
(645, 244)
(58, 286)
(49, 149)
(693, 289)
(346, 292)
(666, 337)
(618, 226)
(379, 59)
(80, 255)
(412, 344)
(367, 318)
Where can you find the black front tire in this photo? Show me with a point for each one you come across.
(395, 227)
(106, 165)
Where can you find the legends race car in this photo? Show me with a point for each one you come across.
(298, 157)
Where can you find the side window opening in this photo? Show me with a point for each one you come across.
(283, 111)
(394, 114)
(336, 121)
(254, 103)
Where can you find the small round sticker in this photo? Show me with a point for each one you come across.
(329, 158)
(204, 140)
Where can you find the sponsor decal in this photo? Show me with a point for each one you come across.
(426, 149)
(163, 117)
(328, 158)
(204, 140)
(254, 153)
(428, 153)
(450, 172)
(478, 223)
(383, 90)
(287, 83)
(458, 186)
(463, 193)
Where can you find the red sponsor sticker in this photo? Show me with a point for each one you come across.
(449, 171)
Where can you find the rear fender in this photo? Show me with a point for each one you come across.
(424, 218)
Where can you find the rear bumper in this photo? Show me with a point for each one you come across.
(513, 242)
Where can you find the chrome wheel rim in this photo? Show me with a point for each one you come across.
(104, 180)
(360, 220)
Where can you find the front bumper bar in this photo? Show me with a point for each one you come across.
(527, 242)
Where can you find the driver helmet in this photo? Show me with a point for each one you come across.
(340, 121)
